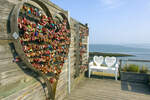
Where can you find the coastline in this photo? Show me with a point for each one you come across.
(91, 54)
(119, 51)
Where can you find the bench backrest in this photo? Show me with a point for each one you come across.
(110, 61)
(98, 60)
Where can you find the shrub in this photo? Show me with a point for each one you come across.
(131, 68)
(103, 65)
(143, 69)
(125, 68)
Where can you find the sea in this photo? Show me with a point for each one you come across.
(140, 52)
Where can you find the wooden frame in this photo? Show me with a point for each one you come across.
(18, 46)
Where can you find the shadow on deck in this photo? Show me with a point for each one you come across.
(106, 88)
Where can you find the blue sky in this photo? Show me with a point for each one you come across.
(112, 21)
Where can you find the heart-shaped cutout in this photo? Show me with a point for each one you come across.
(42, 43)
(98, 60)
(110, 61)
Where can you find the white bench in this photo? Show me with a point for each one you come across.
(96, 66)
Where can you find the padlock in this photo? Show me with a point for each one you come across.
(52, 80)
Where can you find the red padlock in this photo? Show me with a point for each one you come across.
(52, 80)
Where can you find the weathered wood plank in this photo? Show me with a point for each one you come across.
(34, 91)
(107, 89)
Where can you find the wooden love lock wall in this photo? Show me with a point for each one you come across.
(83, 49)
(41, 41)
(38, 32)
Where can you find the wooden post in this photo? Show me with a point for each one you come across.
(77, 51)
(120, 65)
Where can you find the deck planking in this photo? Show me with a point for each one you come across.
(109, 89)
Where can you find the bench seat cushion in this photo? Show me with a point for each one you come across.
(101, 68)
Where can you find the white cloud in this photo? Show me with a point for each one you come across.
(111, 3)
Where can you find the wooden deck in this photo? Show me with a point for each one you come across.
(109, 89)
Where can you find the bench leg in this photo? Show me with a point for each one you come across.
(116, 75)
(103, 74)
(89, 74)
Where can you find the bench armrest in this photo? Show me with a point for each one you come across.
(117, 66)
(91, 64)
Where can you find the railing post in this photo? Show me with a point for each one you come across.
(120, 64)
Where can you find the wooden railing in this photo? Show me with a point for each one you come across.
(130, 60)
